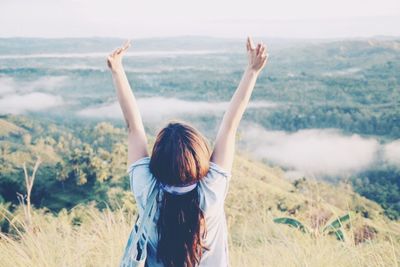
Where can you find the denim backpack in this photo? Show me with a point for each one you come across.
(136, 248)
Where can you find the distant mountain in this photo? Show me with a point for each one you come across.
(21, 45)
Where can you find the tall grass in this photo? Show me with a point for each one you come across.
(85, 236)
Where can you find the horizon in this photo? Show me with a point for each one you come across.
(236, 38)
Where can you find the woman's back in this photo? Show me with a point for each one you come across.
(182, 160)
(212, 192)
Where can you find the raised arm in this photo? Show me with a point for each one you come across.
(137, 140)
(224, 147)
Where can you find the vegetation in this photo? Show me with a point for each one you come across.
(317, 228)
(74, 170)
(351, 85)
(87, 236)
(383, 186)
(80, 209)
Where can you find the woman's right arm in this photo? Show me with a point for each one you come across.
(224, 148)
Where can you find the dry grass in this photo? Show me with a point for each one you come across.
(85, 236)
(7, 128)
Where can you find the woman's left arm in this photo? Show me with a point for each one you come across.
(137, 140)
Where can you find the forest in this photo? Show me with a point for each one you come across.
(350, 85)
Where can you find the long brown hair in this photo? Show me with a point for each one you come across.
(180, 156)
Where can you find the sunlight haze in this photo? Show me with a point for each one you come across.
(288, 19)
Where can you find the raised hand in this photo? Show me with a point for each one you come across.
(137, 140)
(224, 147)
(257, 55)
(114, 60)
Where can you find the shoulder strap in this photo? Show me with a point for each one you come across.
(146, 215)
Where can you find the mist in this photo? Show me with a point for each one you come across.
(9, 85)
(6, 85)
(36, 101)
(392, 152)
(155, 109)
(27, 96)
(313, 152)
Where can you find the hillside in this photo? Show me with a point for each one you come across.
(85, 236)
(337, 91)
(85, 233)
(262, 187)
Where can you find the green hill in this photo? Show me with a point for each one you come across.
(261, 187)
(82, 218)
(85, 236)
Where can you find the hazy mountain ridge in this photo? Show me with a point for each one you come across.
(22, 45)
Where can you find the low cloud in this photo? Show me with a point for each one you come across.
(7, 85)
(155, 108)
(391, 152)
(103, 55)
(343, 72)
(36, 101)
(168, 68)
(21, 97)
(46, 83)
(313, 152)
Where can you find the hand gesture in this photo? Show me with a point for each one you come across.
(257, 56)
(114, 60)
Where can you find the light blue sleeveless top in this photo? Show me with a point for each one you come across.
(212, 190)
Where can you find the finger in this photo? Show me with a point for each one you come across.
(262, 49)
(258, 49)
(265, 57)
(114, 52)
(109, 62)
(250, 42)
(265, 47)
(126, 45)
(265, 50)
(127, 42)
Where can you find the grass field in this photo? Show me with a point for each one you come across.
(85, 236)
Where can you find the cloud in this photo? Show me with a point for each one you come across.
(21, 97)
(343, 72)
(155, 108)
(392, 152)
(36, 101)
(103, 55)
(166, 68)
(319, 152)
(7, 85)
(46, 83)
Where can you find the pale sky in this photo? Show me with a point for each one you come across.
(224, 18)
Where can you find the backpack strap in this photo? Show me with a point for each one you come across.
(146, 215)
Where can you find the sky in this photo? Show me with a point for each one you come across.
(223, 18)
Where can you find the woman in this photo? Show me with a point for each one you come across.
(189, 227)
